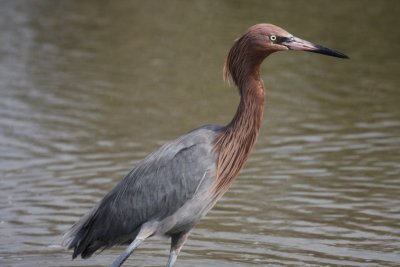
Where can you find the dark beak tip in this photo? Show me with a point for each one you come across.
(329, 52)
(341, 55)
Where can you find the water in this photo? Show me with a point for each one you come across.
(89, 88)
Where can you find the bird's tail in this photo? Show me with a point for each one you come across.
(79, 238)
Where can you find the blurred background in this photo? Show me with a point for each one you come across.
(88, 88)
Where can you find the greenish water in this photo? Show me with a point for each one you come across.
(88, 88)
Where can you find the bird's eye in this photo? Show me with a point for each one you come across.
(272, 38)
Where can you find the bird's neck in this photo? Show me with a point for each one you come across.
(234, 144)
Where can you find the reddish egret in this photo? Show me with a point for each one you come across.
(169, 191)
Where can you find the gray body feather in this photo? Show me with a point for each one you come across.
(169, 189)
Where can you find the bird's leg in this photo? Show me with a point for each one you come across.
(177, 242)
(122, 258)
(145, 232)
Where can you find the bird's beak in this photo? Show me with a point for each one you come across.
(294, 43)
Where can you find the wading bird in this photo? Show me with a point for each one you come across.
(169, 191)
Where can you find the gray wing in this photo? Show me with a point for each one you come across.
(156, 188)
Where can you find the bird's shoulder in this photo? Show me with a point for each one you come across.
(199, 142)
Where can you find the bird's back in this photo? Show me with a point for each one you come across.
(169, 187)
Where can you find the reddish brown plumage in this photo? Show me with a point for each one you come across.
(238, 137)
(234, 144)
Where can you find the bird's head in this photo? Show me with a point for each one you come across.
(277, 39)
(261, 40)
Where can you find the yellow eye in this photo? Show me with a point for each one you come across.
(272, 38)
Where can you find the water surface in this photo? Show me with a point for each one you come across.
(88, 88)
